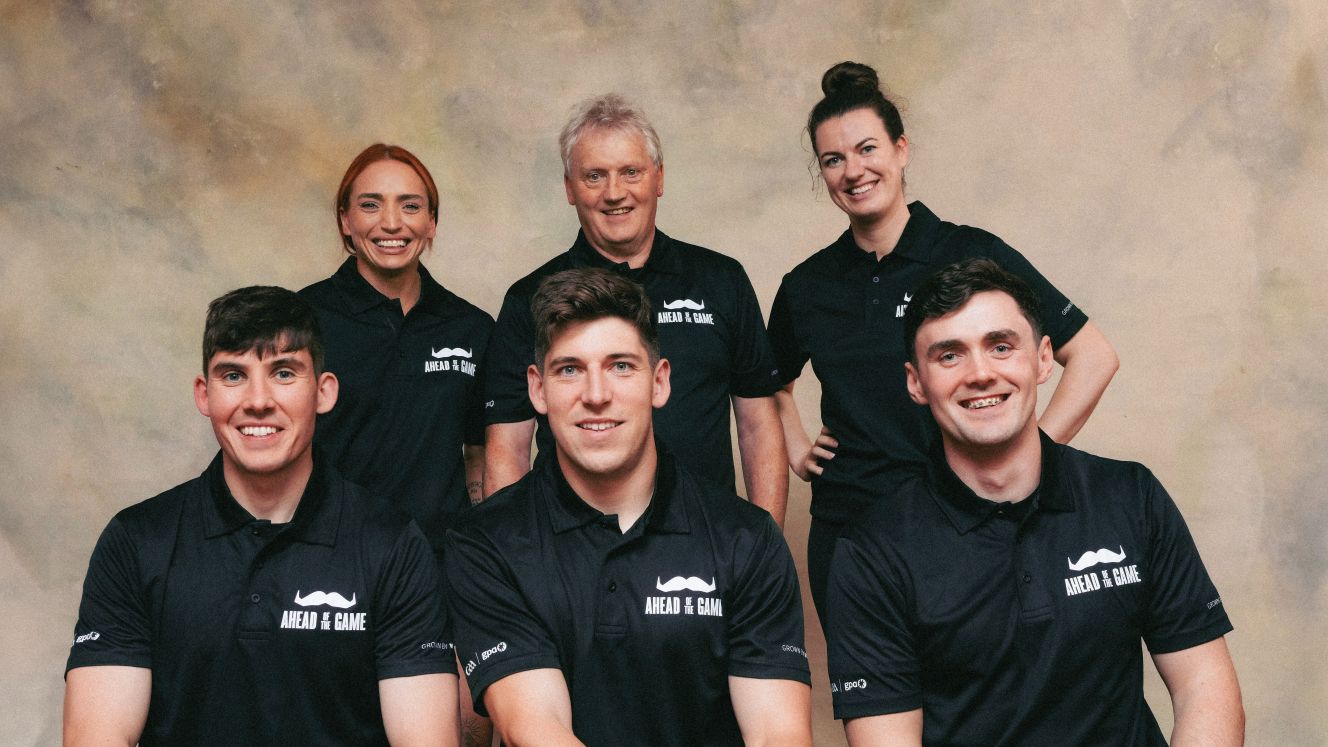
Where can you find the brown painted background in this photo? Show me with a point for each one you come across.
(1165, 163)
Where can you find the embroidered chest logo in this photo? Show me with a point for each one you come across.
(450, 359)
(685, 311)
(312, 619)
(671, 604)
(1105, 578)
(901, 308)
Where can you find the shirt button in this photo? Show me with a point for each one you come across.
(254, 598)
(876, 301)
(876, 278)
(613, 586)
(1028, 579)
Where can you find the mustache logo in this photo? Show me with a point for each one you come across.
(451, 353)
(684, 303)
(691, 583)
(1094, 557)
(330, 598)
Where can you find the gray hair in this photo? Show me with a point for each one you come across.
(610, 112)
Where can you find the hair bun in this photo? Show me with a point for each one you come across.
(848, 76)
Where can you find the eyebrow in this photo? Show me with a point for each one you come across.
(858, 144)
(222, 365)
(564, 360)
(996, 335)
(379, 196)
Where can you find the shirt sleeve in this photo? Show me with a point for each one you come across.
(113, 626)
(790, 356)
(1061, 318)
(411, 634)
(511, 351)
(1184, 609)
(473, 426)
(873, 664)
(497, 634)
(765, 623)
(753, 365)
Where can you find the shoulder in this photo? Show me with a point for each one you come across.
(1095, 474)
(525, 287)
(322, 293)
(818, 265)
(157, 515)
(700, 258)
(458, 308)
(910, 512)
(502, 518)
(370, 516)
(727, 517)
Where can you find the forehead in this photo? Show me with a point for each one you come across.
(596, 338)
(849, 129)
(599, 146)
(261, 354)
(985, 312)
(388, 176)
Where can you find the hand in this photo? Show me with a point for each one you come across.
(822, 449)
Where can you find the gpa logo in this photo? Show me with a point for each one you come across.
(501, 647)
(94, 635)
(855, 685)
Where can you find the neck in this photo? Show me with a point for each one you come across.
(273, 497)
(403, 286)
(1009, 472)
(634, 254)
(626, 494)
(880, 234)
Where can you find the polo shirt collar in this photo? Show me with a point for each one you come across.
(663, 256)
(915, 243)
(316, 517)
(967, 510)
(361, 296)
(667, 512)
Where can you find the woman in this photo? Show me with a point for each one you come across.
(842, 309)
(409, 421)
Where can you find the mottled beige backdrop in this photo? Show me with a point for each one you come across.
(1164, 163)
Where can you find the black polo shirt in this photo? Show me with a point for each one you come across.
(844, 311)
(646, 625)
(411, 392)
(259, 633)
(710, 329)
(1018, 623)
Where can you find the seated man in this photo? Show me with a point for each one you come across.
(608, 597)
(267, 601)
(1001, 599)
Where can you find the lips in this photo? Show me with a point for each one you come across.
(258, 431)
(617, 211)
(982, 403)
(862, 189)
(598, 426)
(390, 243)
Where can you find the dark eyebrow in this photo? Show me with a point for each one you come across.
(379, 196)
(288, 361)
(1000, 335)
(863, 142)
(941, 346)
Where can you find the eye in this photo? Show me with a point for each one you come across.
(593, 177)
(830, 161)
(1002, 349)
(411, 207)
(232, 377)
(621, 367)
(868, 149)
(284, 374)
(948, 358)
(567, 371)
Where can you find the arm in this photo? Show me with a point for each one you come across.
(803, 456)
(532, 707)
(762, 447)
(106, 705)
(420, 710)
(1205, 696)
(473, 458)
(886, 730)
(1090, 362)
(772, 712)
(506, 454)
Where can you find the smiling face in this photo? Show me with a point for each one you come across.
(599, 392)
(615, 188)
(263, 410)
(978, 368)
(862, 167)
(387, 220)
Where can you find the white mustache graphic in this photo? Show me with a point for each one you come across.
(684, 303)
(1092, 558)
(450, 352)
(330, 598)
(691, 583)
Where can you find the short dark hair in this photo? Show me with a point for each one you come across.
(261, 318)
(950, 288)
(583, 295)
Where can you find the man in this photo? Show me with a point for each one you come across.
(267, 600)
(609, 597)
(709, 321)
(1001, 599)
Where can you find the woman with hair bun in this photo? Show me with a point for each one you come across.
(409, 422)
(843, 308)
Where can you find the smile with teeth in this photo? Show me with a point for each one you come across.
(600, 425)
(984, 402)
(259, 431)
(862, 188)
(390, 243)
(618, 211)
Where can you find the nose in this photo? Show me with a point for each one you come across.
(980, 372)
(852, 166)
(614, 190)
(390, 218)
(258, 395)
(596, 392)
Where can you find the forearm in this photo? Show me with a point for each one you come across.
(1205, 695)
(1090, 362)
(473, 458)
(506, 454)
(761, 444)
(796, 443)
(106, 705)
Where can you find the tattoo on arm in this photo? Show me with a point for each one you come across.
(475, 490)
